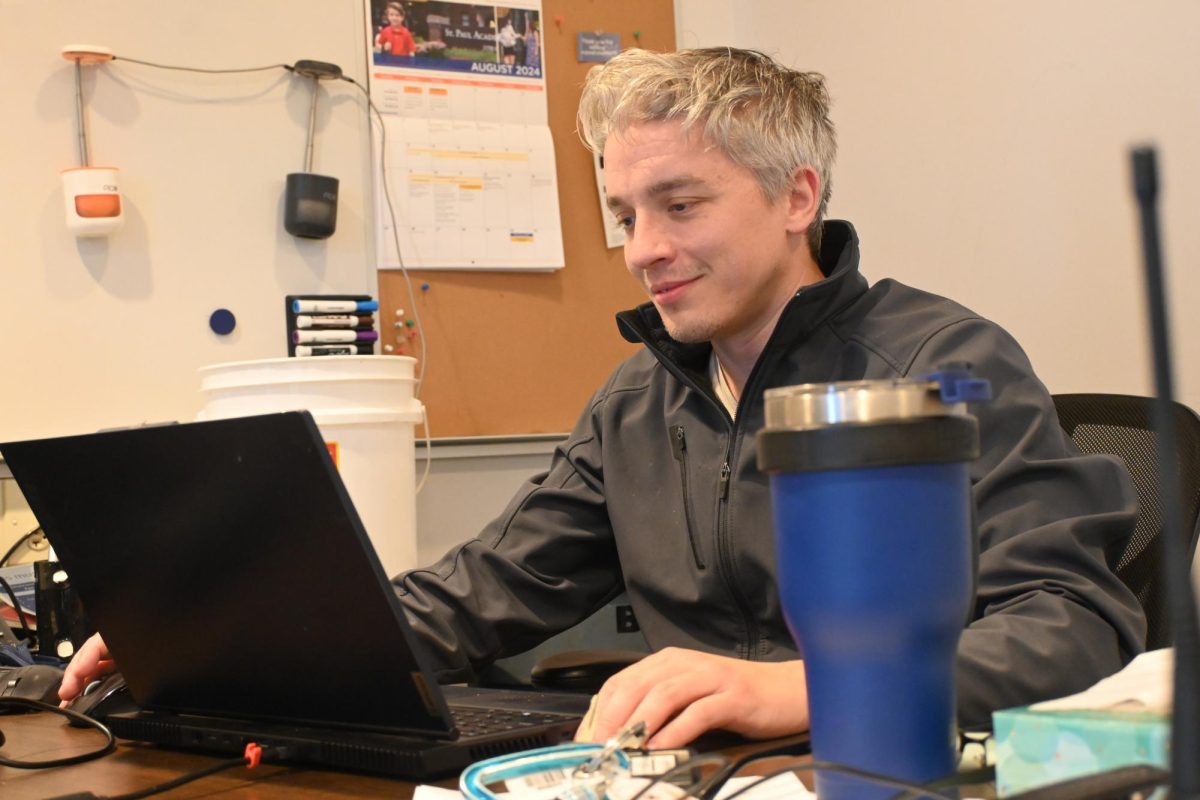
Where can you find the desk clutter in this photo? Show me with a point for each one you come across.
(331, 325)
(1122, 721)
(41, 618)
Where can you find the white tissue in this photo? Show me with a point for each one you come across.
(1144, 685)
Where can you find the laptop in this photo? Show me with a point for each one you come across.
(238, 591)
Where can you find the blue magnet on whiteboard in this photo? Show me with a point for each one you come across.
(222, 321)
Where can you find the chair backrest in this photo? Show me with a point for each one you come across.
(1123, 426)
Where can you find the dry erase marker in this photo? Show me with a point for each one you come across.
(332, 336)
(333, 306)
(333, 350)
(334, 320)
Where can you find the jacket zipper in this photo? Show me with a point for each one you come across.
(679, 448)
(724, 557)
(726, 560)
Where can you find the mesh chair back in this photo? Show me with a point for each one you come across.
(1123, 426)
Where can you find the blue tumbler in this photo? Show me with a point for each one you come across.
(875, 546)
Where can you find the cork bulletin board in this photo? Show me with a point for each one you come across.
(514, 353)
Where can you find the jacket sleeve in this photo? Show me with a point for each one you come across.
(543, 565)
(1050, 618)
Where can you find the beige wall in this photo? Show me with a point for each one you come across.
(102, 333)
(983, 155)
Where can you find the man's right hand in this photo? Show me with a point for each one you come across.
(91, 663)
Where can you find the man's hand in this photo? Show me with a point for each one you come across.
(680, 694)
(91, 663)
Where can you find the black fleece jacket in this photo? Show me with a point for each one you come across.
(656, 492)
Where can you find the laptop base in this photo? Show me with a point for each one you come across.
(379, 753)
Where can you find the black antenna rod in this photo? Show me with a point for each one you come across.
(1181, 600)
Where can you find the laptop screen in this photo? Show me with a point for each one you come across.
(229, 572)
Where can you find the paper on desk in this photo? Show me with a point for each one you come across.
(1144, 685)
(782, 786)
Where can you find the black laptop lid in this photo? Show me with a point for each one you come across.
(229, 573)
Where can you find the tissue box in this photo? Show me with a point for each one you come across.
(1034, 748)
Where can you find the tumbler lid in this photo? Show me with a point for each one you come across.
(850, 424)
(816, 405)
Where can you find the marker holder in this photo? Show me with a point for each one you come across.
(365, 348)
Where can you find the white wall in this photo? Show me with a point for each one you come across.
(983, 155)
(101, 333)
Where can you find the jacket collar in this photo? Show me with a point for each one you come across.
(808, 309)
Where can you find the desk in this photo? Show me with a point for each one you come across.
(36, 737)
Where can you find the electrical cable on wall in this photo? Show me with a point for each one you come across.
(382, 165)
(319, 71)
(412, 297)
(387, 195)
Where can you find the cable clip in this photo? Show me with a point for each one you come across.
(628, 738)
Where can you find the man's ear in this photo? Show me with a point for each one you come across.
(804, 199)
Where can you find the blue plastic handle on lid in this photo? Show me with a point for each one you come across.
(957, 386)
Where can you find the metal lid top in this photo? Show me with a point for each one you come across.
(817, 405)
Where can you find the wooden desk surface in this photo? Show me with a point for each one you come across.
(37, 737)
(133, 767)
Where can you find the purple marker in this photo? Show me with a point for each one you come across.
(334, 320)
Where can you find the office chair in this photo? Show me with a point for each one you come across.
(1123, 426)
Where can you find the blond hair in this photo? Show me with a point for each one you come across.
(766, 117)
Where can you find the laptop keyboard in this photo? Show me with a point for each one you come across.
(472, 721)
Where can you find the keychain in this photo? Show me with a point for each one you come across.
(567, 771)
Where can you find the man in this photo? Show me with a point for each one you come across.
(718, 168)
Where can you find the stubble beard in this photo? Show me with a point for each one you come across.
(691, 331)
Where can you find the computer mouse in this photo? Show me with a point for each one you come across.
(31, 682)
(109, 695)
(581, 670)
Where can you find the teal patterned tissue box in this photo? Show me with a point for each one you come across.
(1034, 748)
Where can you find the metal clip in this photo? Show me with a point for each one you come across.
(626, 738)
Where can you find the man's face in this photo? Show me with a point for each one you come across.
(717, 258)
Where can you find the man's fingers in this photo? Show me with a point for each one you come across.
(90, 662)
(699, 717)
(654, 699)
(667, 699)
(621, 694)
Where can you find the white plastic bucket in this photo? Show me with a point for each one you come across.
(365, 409)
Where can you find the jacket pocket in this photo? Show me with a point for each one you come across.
(679, 449)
